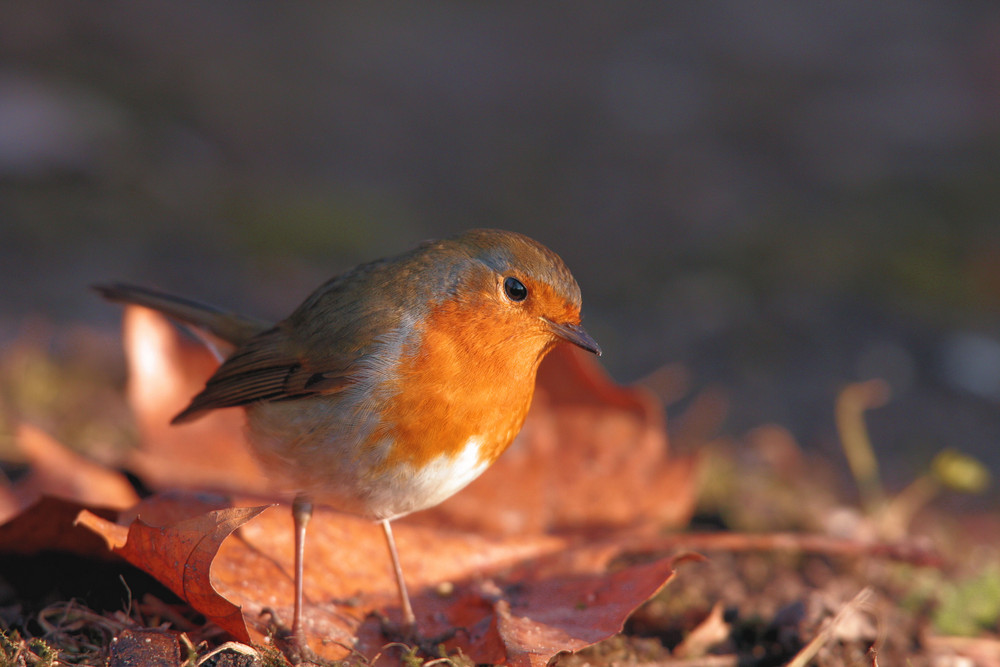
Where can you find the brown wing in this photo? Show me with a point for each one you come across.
(269, 367)
(317, 349)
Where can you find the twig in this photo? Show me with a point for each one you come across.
(911, 552)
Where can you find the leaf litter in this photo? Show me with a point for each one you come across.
(549, 552)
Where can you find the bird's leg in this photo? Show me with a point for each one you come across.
(302, 509)
(409, 620)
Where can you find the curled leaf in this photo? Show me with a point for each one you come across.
(59, 472)
(180, 556)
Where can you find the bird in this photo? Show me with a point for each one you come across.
(394, 384)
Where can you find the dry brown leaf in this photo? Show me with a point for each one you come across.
(348, 573)
(57, 471)
(180, 556)
(10, 505)
(518, 601)
(49, 524)
(569, 600)
(165, 371)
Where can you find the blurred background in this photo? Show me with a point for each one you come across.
(780, 197)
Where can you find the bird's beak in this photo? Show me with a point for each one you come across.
(574, 333)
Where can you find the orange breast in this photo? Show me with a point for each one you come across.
(470, 375)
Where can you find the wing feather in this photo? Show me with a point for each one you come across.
(267, 368)
(320, 347)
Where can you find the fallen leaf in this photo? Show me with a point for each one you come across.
(518, 600)
(49, 524)
(180, 556)
(165, 371)
(568, 601)
(10, 504)
(57, 471)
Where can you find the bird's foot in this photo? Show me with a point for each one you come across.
(292, 644)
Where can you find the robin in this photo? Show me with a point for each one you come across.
(394, 384)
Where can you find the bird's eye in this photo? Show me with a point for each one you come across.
(515, 289)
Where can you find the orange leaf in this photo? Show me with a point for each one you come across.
(180, 556)
(50, 525)
(348, 573)
(57, 471)
(165, 371)
(520, 600)
(568, 601)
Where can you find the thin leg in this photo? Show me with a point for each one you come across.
(409, 620)
(302, 509)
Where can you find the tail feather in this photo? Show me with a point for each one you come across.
(235, 329)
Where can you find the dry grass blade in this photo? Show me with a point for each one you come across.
(852, 402)
(711, 631)
(236, 647)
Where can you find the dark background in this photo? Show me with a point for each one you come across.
(784, 197)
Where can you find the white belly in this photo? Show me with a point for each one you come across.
(327, 465)
(408, 488)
